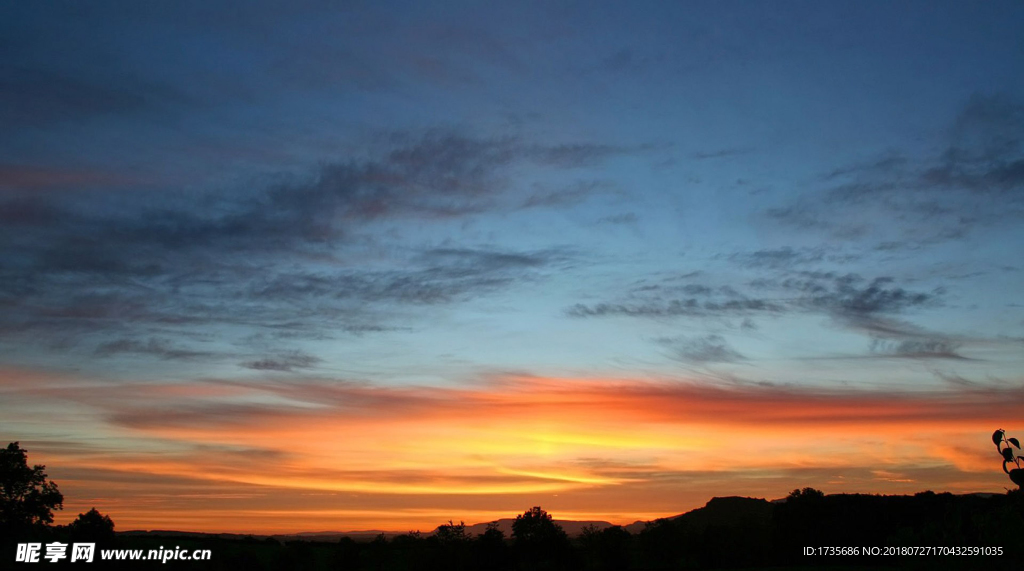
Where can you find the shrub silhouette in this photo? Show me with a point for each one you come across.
(605, 549)
(805, 495)
(451, 533)
(27, 497)
(490, 550)
(535, 526)
(92, 526)
(541, 543)
(454, 544)
(1017, 474)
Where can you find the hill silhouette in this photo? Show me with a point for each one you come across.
(724, 511)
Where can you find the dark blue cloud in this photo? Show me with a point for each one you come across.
(277, 257)
(975, 180)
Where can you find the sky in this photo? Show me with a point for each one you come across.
(277, 267)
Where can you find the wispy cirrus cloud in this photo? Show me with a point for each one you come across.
(34, 96)
(705, 349)
(877, 308)
(569, 196)
(159, 348)
(689, 307)
(787, 257)
(292, 252)
(972, 182)
(284, 362)
(839, 295)
(917, 348)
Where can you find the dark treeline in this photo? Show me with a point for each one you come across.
(728, 533)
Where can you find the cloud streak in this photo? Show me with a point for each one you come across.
(843, 296)
(474, 440)
(706, 349)
(292, 252)
(973, 182)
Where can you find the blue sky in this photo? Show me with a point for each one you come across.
(811, 197)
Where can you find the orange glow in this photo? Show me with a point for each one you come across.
(311, 455)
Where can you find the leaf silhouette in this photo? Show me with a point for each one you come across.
(1007, 454)
(997, 436)
(1014, 441)
(1017, 476)
(1004, 467)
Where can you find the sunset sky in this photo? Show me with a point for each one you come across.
(279, 268)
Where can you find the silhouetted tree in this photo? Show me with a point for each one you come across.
(27, 497)
(296, 556)
(542, 544)
(535, 525)
(453, 542)
(801, 520)
(606, 548)
(1016, 474)
(804, 495)
(490, 549)
(407, 552)
(449, 533)
(346, 555)
(92, 526)
(374, 555)
(590, 542)
(492, 533)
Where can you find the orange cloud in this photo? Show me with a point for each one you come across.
(419, 455)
